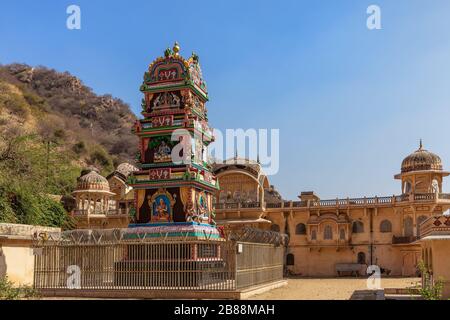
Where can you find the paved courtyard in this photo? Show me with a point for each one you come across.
(329, 289)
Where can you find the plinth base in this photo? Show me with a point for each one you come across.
(176, 230)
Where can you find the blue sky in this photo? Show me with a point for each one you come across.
(350, 103)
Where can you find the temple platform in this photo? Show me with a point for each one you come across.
(174, 231)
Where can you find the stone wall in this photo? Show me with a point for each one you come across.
(24, 230)
(16, 252)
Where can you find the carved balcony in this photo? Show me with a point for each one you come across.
(404, 239)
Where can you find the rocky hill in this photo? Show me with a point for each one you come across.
(51, 127)
(40, 100)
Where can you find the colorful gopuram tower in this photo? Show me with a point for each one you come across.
(174, 186)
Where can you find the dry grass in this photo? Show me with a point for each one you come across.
(329, 289)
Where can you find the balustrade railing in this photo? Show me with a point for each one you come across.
(424, 196)
(110, 212)
(250, 205)
(338, 202)
(444, 196)
(402, 198)
(357, 201)
(385, 200)
(403, 240)
(299, 204)
(274, 205)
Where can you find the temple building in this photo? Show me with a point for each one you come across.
(104, 203)
(123, 197)
(328, 237)
(244, 193)
(435, 236)
(175, 125)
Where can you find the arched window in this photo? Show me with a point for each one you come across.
(435, 186)
(300, 229)
(275, 227)
(290, 260)
(408, 227)
(342, 234)
(328, 233)
(314, 235)
(361, 258)
(385, 226)
(408, 187)
(358, 227)
(420, 220)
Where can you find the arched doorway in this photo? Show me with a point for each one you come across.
(275, 227)
(290, 259)
(361, 258)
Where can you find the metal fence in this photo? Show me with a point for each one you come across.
(169, 265)
(258, 263)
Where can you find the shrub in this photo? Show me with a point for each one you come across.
(10, 292)
(7, 214)
(100, 157)
(35, 100)
(431, 290)
(15, 104)
(59, 134)
(79, 148)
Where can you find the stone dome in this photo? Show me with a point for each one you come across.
(126, 169)
(421, 159)
(92, 181)
(253, 167)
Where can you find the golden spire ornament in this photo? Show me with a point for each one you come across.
(176, 48)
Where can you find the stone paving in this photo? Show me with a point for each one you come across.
(333, 289)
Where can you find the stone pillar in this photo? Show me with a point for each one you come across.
(415, 223)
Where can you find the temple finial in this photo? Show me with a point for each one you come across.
(235, 153)
(176, 48)
(420, 145)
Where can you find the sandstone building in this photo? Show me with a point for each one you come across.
(327, 236)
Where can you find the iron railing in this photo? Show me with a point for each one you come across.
(258, 263)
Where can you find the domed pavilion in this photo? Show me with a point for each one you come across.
(95, 206)
(421, 172)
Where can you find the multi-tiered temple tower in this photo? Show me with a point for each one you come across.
(174, 186)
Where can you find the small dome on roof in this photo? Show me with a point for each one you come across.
(237, 163)
(421, 159)
(126, 169)
(92, 181)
